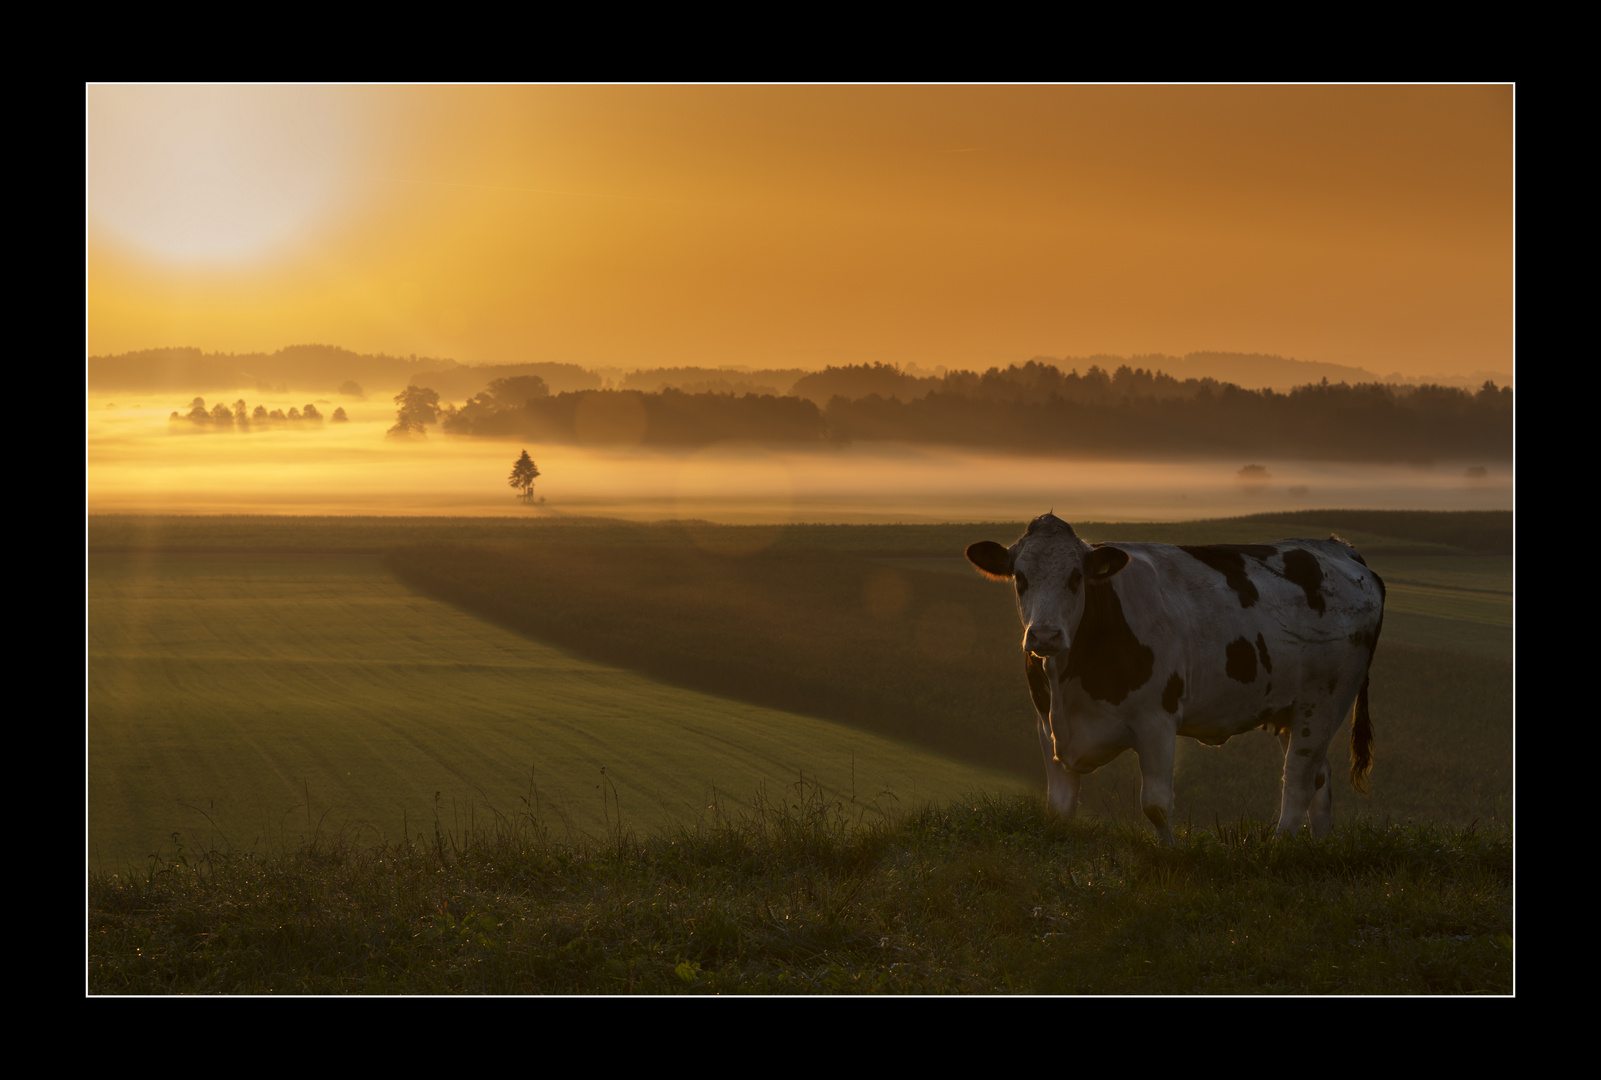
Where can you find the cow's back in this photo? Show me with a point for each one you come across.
(1250, 634)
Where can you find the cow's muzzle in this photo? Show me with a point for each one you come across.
(1044, 640)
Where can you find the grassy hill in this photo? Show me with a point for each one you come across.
(241, 700)
(592, 756)
(795, 893)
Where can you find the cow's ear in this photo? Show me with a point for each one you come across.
(992, 560)
(1104, 563)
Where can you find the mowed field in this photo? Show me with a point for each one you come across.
(244, 699)
(253, 680)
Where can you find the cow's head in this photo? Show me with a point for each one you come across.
(1051, 569)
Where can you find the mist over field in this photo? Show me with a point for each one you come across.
(138, 462)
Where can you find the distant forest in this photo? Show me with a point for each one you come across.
(1046, 405)
(317, 367)
(1033, 407)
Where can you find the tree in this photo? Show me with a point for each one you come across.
(419, 406)
(523, 475)
(516, 391)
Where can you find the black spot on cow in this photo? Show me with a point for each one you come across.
(1241, 665)
(1276, 720)
(1306, 733)
(1229, 560)
(1074, 580)
(1317, 785)
(1022, 582)
(1106, 658)
(1302, 568)
(1261, 654)
(1305, 751)
(1172, 692)
(1039, 683)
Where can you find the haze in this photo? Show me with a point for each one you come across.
(136, 465)
(966, 226)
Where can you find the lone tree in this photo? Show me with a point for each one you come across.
(523, 475)
(419, 406)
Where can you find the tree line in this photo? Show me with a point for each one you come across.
(1159, 416)
(240, 417)
(1032, 407)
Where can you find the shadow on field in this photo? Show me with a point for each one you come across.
(930, 655)
(932, 659)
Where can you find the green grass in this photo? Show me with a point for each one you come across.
(233, 691)
(1419, 532)
(941, 670)
(794, 894)
(243, 699)
(349, 785)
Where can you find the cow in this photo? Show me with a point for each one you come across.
(1127, 646)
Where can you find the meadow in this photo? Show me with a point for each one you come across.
(796, 893)
(241, 699)
(267, 689)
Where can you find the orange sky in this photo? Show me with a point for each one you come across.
(797, 226)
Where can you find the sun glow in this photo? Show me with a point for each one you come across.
(775, 226)
(217, 174)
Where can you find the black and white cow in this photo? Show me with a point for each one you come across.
(1127, 646)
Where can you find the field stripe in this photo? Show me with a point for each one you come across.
(208, 687)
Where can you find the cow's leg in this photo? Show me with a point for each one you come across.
(1061, 783)
(1283, 736)
(1308, 765)
(1301, 757)
(1322, 809)
(1156, 782)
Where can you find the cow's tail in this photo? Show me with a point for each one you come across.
(1361, 720)
(1361, 741)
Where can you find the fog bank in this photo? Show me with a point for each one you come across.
(138, 462)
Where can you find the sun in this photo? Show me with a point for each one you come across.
(212, 174)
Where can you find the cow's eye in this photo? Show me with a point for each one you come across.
(1022, 582)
